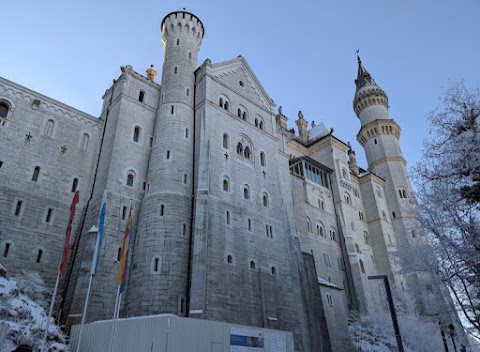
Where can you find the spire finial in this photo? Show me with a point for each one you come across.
(358, 56)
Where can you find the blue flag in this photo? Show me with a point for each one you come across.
(101, 226)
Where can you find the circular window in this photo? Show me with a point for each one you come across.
(241, 83)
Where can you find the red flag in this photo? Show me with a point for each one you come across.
(63, 263)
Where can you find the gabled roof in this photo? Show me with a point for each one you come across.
(230, 66)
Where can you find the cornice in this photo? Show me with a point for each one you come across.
(387, 159)
(376, 128)
(49, 104)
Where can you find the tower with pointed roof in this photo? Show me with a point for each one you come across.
(380, 137)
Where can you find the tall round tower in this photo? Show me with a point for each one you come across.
(380, 137)
(159, 276)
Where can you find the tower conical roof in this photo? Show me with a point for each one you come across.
(367, 91)
(363, 77)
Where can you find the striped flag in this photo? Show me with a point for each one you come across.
(122, 269)
(68, 232)
(101, 226)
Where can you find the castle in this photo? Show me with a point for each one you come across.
(236, 218)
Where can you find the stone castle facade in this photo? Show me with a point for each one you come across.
(236, 217)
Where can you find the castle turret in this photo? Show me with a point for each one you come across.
(380, 137)
(162, 246)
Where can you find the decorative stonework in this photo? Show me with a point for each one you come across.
(369, 96)
(378, 127)
(387, 159)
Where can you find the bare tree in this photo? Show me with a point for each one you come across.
(448, 184)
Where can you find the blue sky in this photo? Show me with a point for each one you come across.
(303, 52)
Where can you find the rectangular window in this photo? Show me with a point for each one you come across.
(124, 212)
(172, 110)
(39, 255)
(186, 132)
(144, 185)
(18, 207)
(150, 143)
(269, 230)
(326, 260)
(167, 155)
(48, 218)
(249, 224)
(185, 179)
(184, 229)
(227, 217)
(1, 163)
(6, 250)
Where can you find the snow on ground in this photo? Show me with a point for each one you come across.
(374, 333)
(24, 301)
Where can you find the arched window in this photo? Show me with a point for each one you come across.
(220, 102)
(246, 192)
(141, 96)
(36, 173)
(130, 179)
(321, 204)
(189, 55)
(244, 115)
(309, 225)
(85, 141)
(274, 270)
(262, 158)
(357, 248)
(226, 106)
(344, 173)
(162, 209)
(239, 112)
(256, 122)
(49, 128)
(226, 186)
(252, 265)
(229, 259)
(240, 149)
(362, 267)
(225, 141)
(3, 110)
(365, 237)
(333, 235)
(260, 125)
(265, 199)
(182, 306)
(39, 256)
(246, 153)
(347, 198)
(74, 184)
(320, 230)
(136, 134)
(6, 248)
(156, 265)
(404, 193)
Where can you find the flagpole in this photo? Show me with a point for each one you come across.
(87, 299)
(114, 320)
(50, 312)
(63, 261)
